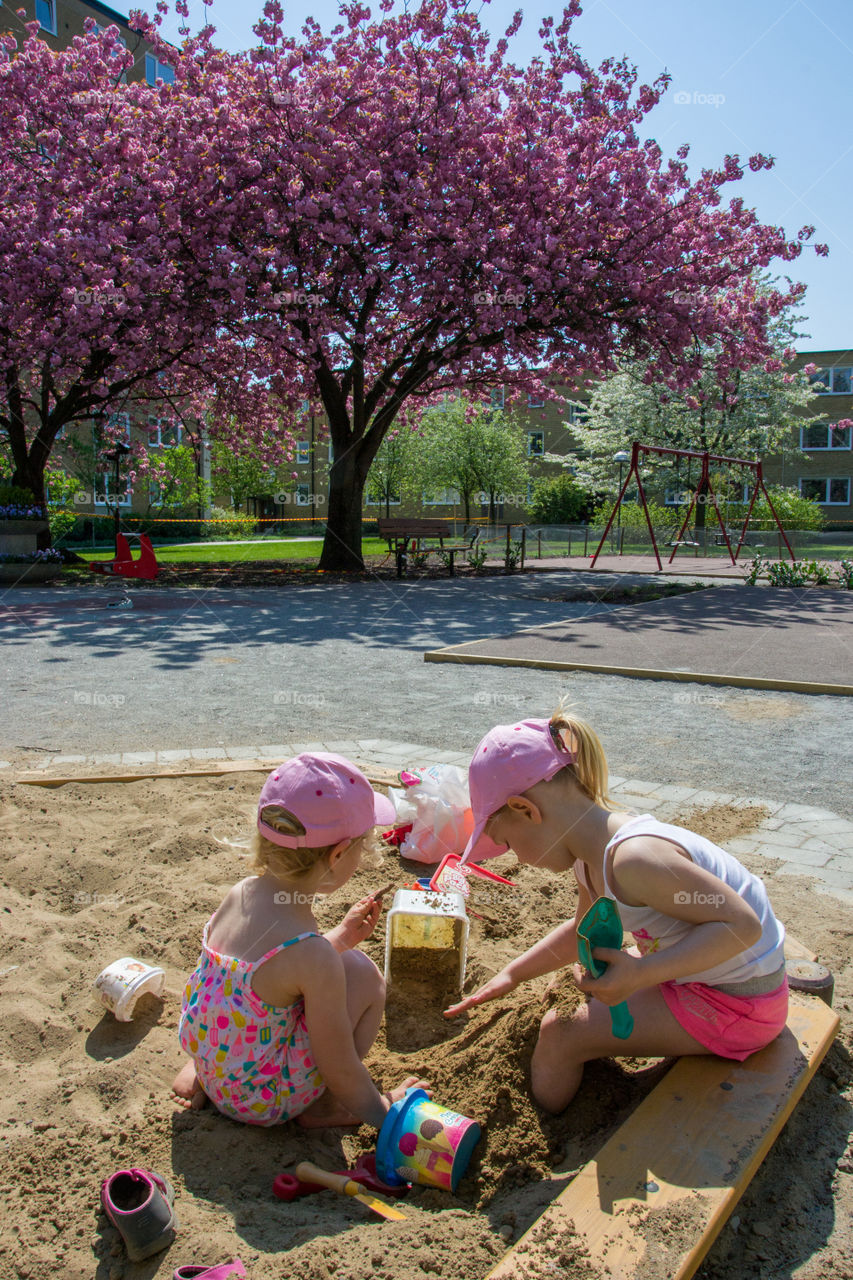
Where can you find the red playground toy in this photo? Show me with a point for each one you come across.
(124, 564)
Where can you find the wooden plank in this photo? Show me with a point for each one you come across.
(653, 1200)
(377, 777)
(796, 950)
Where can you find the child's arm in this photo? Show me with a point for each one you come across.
(556, 949)
(358, 924)
(323, 983)
(651, 872)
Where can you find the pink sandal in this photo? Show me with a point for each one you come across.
(222, 1272)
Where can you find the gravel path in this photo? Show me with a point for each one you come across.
(194, 668)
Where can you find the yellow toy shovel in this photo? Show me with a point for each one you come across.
(602, 927)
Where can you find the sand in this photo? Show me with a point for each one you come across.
(95, 872)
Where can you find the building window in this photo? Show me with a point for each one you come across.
(442, 498)
(831, 491)
(535, 444)
(824, 436)
(155, 71)
(303, 452)
(46, 15)
(105, 483)
(578, 413)
(375, 500)
(535, 402)
(162, 433)
(303, 495)
(835, 381)
(118, 423)
(496, 397)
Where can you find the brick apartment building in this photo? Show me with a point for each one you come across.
(825, 473)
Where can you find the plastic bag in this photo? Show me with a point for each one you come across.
(439, 809)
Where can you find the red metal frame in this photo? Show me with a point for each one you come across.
(704, 484)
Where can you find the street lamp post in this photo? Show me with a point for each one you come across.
(115, 455)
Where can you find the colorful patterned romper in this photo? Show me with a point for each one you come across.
(253, 1059)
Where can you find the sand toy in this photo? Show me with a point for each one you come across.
(122, 983)
(424, 1142)
(426, 937)
(602, 927)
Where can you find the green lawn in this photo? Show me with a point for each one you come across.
(242, 553)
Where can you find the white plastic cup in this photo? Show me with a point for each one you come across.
(123, 982)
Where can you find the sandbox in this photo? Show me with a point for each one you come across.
(93, 872)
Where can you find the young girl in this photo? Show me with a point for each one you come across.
(277, 1017)
(707, 974)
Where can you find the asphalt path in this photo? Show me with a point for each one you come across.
(191, 668)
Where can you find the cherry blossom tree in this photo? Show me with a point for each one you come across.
(106, 302)
(406, 210)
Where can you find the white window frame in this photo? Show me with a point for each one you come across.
(534, 402)
(160, 425)
(531, 452)
(578, 413)
(302, 495)
(827, 482)
(102, 497)
(112, 421)
(156, 68)
(50, 5)
(444, 498)
(674, 498)
(830, 370)
(303, 453)
(830, 436)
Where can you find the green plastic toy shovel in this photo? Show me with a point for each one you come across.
(602, 927)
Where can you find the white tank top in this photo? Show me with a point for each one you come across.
(654, 931)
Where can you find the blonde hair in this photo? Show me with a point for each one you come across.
(295, 864)
(589, 770)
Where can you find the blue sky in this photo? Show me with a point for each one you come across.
(747, 75)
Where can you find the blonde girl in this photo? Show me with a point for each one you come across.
(707, 974)
(277, 1017)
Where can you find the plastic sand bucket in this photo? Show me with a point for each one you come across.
(123, 982)
(426, 934)
(424, 1142)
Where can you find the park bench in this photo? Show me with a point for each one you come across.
(403, 534)
(681, 1160)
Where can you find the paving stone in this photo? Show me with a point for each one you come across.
(805, 812)
(638, 788)
(139, 757)
(708, 799)
(108, 759)
(840, 878)
(822, 846)
(243, 753)
(676, 794)
(169, 757)
(207, 753)
(70, 759)
(4, 764)
(797, 857)
(743, 844)
(789, 839)
(838, 826)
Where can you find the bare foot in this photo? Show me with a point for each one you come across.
(187, 1089)
(327, 1113)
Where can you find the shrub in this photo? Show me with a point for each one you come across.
(794, 511)
(560, 500)
(228, 524)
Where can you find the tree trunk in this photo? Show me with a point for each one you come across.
(342, 543)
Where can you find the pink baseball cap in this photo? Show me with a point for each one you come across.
(331, 798)
(508, 761)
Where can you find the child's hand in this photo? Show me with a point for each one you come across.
(620, 980)
(500, 985)
(410, 1082)
(358, 924)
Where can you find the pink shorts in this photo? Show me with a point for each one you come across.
(730, 1026)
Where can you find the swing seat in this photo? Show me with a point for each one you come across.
(124, 565)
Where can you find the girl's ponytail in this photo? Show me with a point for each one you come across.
(590, 766)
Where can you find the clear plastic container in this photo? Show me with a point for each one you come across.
(122, 983)
(426, 936)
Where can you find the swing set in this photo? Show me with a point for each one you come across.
(703, 488)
